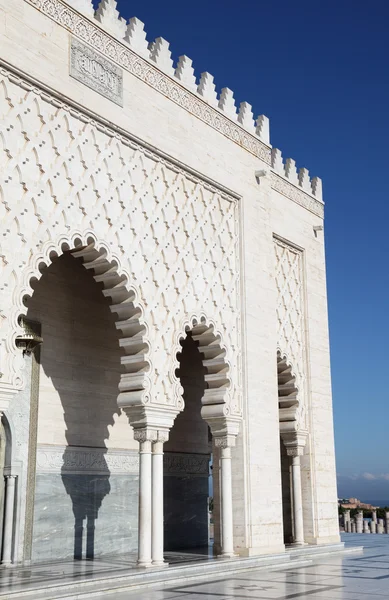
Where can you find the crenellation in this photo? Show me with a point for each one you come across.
(301, 178)
(263, 129)
(276, 161)
(227, 103)
(109, 17)
(317, 188)
(185, 73)
(246, 117)
(161, 55)
(136, 37)
(304, 180)
(206, 88)
(290, 171)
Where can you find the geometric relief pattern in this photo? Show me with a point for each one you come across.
(291, 316)
(175, 234)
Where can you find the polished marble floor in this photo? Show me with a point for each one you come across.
(357, 576)
(348, 577)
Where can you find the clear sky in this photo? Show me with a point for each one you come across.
(319, 69)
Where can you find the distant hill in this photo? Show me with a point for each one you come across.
(371, 491)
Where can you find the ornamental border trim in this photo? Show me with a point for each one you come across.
(298, 196)
(76, 460)
(184, 464)
(118, 52)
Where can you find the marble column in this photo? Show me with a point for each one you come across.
(374, 516)
(294, 442)
(380, 526)
(360, 521)
(366, 527)
(387, 522)
(373, 527)
(225, 444)
(298, 522)
(10, 483)
(347, 518)
(353, 527)
(157, 500)
(145, 438)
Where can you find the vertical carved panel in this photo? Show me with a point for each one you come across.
(291, 316)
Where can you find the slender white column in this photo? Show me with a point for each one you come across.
(226, 512)
(360, 521)
(297, 501)
(144, 524)
(157, 501)
(8, 518)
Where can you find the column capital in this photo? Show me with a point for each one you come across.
(225, 441)
(149, 434)
(162, 435)
(10, 476)
(151, 417)
(294, 442)
(145, 435)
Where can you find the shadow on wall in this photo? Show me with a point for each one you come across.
(80, 371)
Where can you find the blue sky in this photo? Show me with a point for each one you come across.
(319, 70)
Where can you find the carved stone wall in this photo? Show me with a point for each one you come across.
(181, 463)
(291, 317)
(87, 461)
(176, 236)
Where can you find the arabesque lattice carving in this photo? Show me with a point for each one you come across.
(291, 328)
(171, 235)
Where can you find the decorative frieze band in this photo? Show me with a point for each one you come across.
(293, 193)
(122, 55)
(86, 461)
(176, 463)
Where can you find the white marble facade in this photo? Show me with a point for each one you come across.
(163, 301)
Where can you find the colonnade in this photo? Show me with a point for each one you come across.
(151, 518)
(359, 525)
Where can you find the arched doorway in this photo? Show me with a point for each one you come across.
(86, 484)
(187, 459)
(203, 375)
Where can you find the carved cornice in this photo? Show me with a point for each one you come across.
(123, 56)
(176, 463)
(86, 461)
(296, 195)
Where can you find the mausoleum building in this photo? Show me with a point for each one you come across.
(163, 308)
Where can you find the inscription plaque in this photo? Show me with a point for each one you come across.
(96, 72)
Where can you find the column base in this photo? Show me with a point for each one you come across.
(227, 555)
(160, 564)
(144, 565)
(297, 545)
